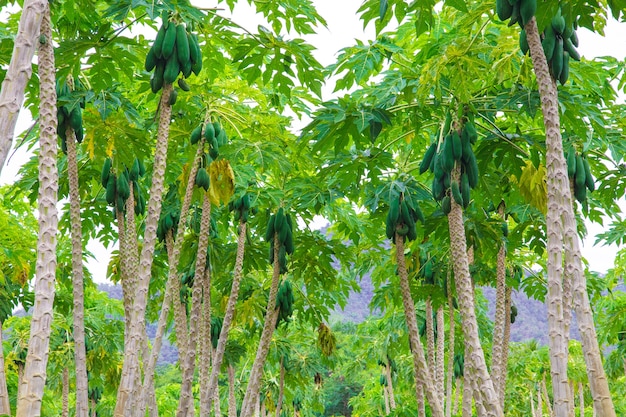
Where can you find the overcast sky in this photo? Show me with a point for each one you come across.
(343, 28)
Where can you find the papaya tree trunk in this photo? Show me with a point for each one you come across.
(501, 317)
(539, 402)
(451, 326)
(533, 412)
(430, 339)
(205, 344)
(65, 394)
(421, 401)
(80, 354)
(440, 355)
(172, 286)
(468, 392)
(196, 306)
(271, 317)
(281, 388)
(19, 71)
(422, 374)
(562, 237)
(465, 292)
(217, 406)
(34, 380)
(386, 400)
(130, 369)
(581, 399)
(392, 399)
(5, 405)
(230, 312)
(458, 387)
(232, 400)
(504, 357)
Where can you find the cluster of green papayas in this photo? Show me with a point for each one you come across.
(213, 133)
(175, 50)
(284, 302)
(456, 148)
(579, 173)
(519, 11)
(428, 270)
(402, 217)
(118, 187)
(280, 224)
(69, 115)
(559, 41)
(243, 208)
(216, 329)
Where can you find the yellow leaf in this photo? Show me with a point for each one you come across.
(222, 182)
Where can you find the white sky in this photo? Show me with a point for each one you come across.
(343, 28)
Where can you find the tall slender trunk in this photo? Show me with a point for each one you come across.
(504, 357)
(458, 387)
(533, 412)
(5, 405)
(450, 349)
(80, 354)
(19, 71)
(230, 311)
(430, 339)
(421, 401)
(130, 368)
(65, 401)
(581, 399)
(232, 400)
(539, 403)
(439, 375)
(196, 306)
(205, 344)
(466, 408)
(386, 400)
(423, 376)
(501, 317)
(281, 388)
(392, 398)
(271, 316)
(216, 403)
(465, 292)
(172, 287)
(562, 237)
(33, 382)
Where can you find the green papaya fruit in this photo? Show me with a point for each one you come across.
(446, 205)
(158, 43)
(503, 9)
(196, 134)
(156, 81)
(123, 188)
(183, 84)
(173, 97)
(557, 59)
(565, 71)
(196, 63)
(465, 190)
(472, 171)
(133, 174)
(151, 60)
(106, 172)
(428, 157)
(182, 45)
(456, 193)
(457, 149)
(172, 68)
(523, 42)
(448, 154)
(558, 23)
(394, 210)
(568, 47)
(527, 10)
(269, 231)
(589, 181)
(571, 162)
(111, 189)
(548, 43)
(580, 176)
(169, 42)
